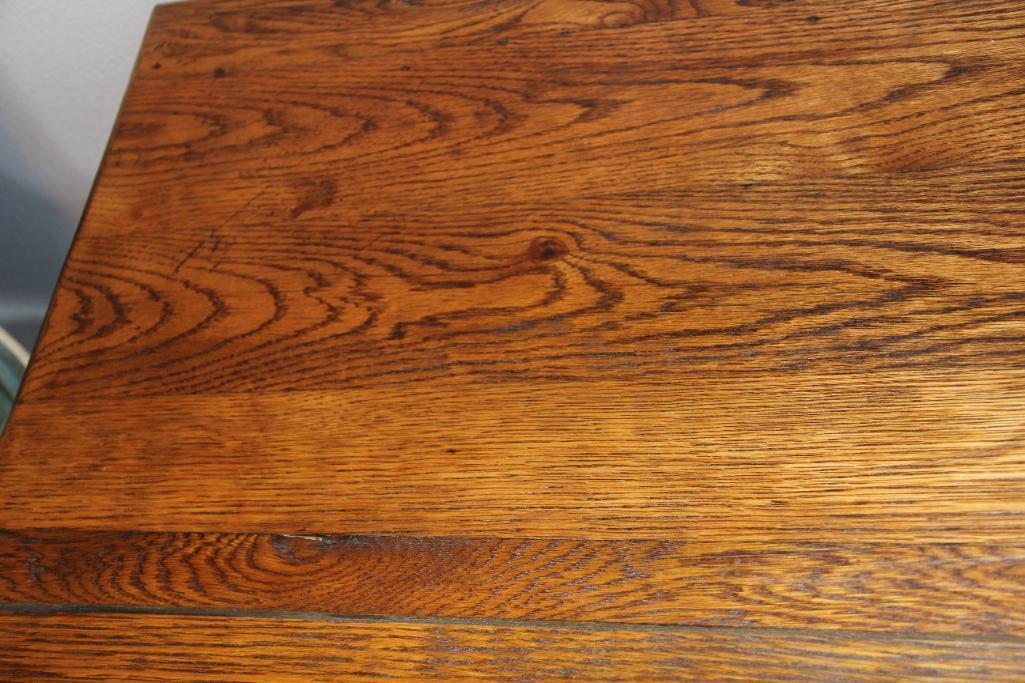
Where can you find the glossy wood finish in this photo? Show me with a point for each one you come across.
(198, 648)
(744, 274)
(908, 457)
(830, 588)
(690, 332)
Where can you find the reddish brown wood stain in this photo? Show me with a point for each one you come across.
(537, 339)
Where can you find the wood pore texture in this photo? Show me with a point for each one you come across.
(534, 340)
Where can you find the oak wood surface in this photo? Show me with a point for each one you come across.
(743, 273)
(827, 587)
(931, 456)
(691, 330)
(198, 648)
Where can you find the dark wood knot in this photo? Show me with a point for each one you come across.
(546, 249)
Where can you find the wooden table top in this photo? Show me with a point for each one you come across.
(537, 339)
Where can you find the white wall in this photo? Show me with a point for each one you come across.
(64, 65)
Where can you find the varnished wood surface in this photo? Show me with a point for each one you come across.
(743, 273)
(199, 648)
(689, 332)
(828, 587)
(928, 456)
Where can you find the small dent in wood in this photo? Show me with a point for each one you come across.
(219, 72)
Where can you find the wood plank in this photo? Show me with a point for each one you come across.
(181, 647)
(906, 457)
(213, 28)
(550, 291)
(953, 589)
(230, 128)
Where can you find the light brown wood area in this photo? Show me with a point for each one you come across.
(537, 339)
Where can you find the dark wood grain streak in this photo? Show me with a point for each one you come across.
(198, 648)
(955, 589)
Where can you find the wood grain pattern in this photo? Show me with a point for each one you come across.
(836, 208)
(690, 329)
(907, 458)
(841, 588)
(481, 274)
(199, 648)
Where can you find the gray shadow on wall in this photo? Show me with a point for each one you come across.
(35, 228)
(34, 239)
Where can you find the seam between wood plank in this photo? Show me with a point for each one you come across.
(335, 538)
